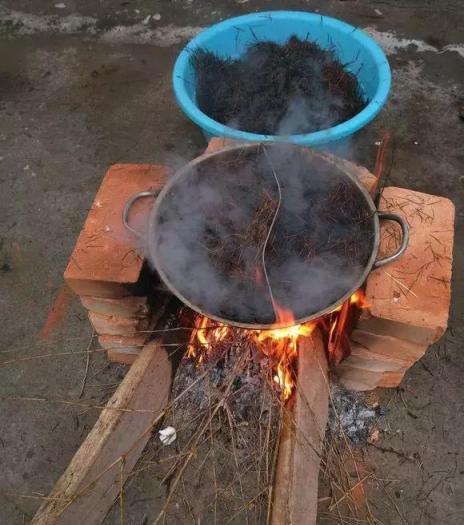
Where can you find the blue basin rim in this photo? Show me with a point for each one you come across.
(341, 131)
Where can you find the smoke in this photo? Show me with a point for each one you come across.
(318, 111)
(212, 224)
(301, 115)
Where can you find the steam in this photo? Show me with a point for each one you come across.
(301, 115)
(205, 246)
(279, 89)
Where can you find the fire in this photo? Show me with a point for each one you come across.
(280, 345)
(204, 335)
(359, 299)
(338, 321)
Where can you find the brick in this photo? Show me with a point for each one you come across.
(122, 358)
(112, 325)
(98, 288)
(387, 347)
(413, 292)
(359, 378)
(121, 343)
(414, 334)
(122, 349)
(377, 360)
(218, 143)
(391, 379)
(125, 307)
(105, 260)
(362, 358)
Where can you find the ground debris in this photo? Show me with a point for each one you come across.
(227, 427)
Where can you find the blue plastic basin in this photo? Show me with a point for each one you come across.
(231, 37)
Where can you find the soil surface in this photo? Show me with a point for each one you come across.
(87, 84)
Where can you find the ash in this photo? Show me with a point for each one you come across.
(237, 362)
(350, 415)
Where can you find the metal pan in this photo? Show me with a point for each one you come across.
(197, 199)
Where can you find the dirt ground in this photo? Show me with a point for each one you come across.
(85, 84)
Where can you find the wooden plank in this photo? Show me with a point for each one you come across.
(280, 511)
(92, 481)
(297, 473)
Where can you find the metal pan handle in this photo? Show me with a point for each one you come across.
(404, 239)
(129, 204)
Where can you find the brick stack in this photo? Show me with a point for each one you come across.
(409, 299)
(106, 265)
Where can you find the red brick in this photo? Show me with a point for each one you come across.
(415, 290)
(123, 358)
(414, 334)
(361, 378)
(125, 307)
(362, 358)
(98, 288)
(106, 257)
(391, 379)
(219, 143)
(122, 343)
(122, 349)
(112, 325)
(387, 347)
(377, 360)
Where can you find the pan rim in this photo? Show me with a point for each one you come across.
(173, 180)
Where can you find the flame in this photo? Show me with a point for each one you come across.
(280, 345)
(359, 299)
(204, 336)
(340, 322)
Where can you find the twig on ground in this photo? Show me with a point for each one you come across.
(87, 363)
(391, 450)
(121, 490)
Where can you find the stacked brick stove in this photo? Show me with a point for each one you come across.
(409, 299)
(106, 269)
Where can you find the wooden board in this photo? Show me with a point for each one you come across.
(297, 473)
(91, 483)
